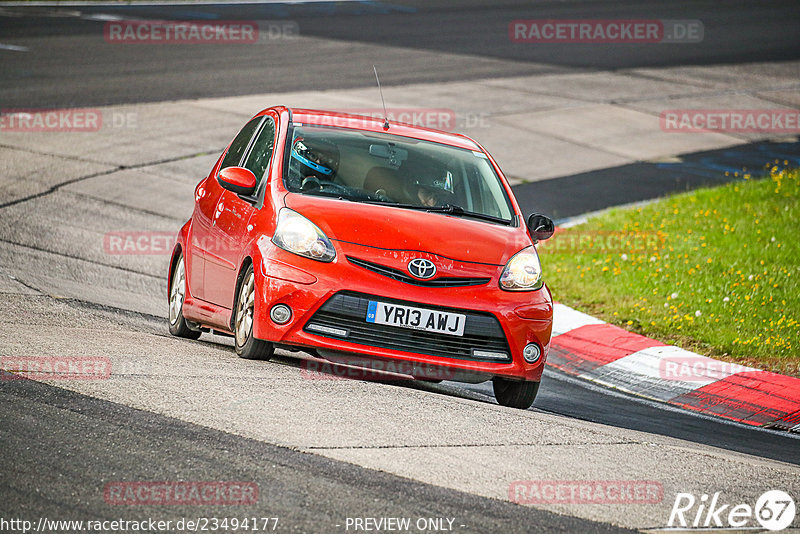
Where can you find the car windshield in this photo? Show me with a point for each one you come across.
(399, 171)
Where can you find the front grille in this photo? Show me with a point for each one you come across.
(343, 317)
(397, 274)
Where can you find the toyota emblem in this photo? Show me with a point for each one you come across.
(421, 268)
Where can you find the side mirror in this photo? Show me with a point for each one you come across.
(237, 180)
(540, 227)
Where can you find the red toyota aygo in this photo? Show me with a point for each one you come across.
(355, 240)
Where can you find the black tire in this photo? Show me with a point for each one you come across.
(247, 346)
(514, 393)
(177, 292)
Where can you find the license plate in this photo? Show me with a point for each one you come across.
(416, 318)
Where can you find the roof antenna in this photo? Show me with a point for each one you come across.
(385, 115)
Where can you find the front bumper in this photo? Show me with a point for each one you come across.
(328, 302)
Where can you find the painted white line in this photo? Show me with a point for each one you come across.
(15, 48)
(102, 17)
(581, 219)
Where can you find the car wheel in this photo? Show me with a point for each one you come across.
(513, 393)
(177, 293)
(247, 346)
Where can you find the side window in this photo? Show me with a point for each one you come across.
(239, 144)
(261, 153)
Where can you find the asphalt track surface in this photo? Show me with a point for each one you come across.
(308, 493)
(67, 65)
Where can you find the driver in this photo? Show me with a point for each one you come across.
(313, 161)
(434, 191)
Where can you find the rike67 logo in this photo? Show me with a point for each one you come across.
(774, 510)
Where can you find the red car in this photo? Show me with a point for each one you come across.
(353, 239)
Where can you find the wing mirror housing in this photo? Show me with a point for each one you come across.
(540, 227)
(237, 180)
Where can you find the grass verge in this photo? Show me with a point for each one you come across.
(715, 271)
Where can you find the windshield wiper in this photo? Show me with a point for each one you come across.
(449, 209)
(452, 209)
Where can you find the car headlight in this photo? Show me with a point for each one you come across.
(300, 236)
(523, 272)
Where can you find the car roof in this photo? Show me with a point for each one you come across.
(375, 124)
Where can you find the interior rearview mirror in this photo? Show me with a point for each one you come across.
(540, 227)
(237, 180)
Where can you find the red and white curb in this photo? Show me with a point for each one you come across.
(594, 350)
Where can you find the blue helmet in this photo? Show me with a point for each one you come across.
(315, 157)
